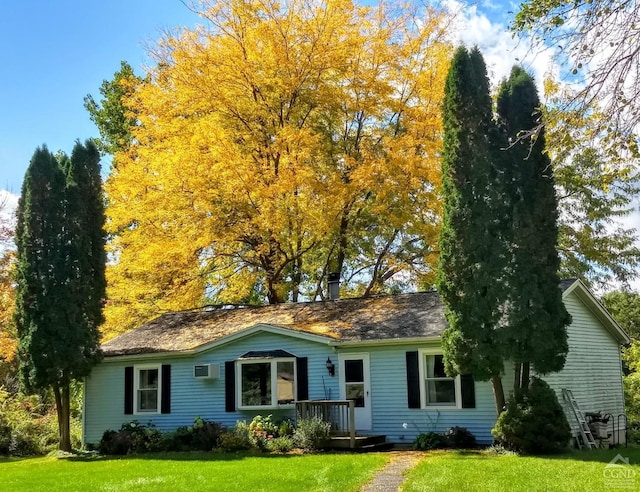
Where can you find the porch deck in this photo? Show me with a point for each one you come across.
(341, 415)
(362, 443)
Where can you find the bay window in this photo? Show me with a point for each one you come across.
(266, 382)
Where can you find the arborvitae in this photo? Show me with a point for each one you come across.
(60, 275)
(537, 319)
(39, 265)
(472, 251)
(85, 219)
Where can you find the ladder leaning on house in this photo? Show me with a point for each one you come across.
(584, 437)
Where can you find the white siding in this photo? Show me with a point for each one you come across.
(593, 368)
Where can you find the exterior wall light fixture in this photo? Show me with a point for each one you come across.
(331, 368)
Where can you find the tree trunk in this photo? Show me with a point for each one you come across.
(296, 276)
(63, 410)
(498, 393)
(526, 376)
(342, 242)
(517, 375)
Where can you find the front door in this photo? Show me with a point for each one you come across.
(354, 385)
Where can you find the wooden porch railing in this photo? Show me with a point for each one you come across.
(339, 413)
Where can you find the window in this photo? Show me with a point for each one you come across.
(147, 389)
(438, 389)
(266, 382)
(354, 381)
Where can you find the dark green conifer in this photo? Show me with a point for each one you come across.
(472, 251)
(537, 319)
(60, 283)
(39, 264)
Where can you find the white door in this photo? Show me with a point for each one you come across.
(354, 385)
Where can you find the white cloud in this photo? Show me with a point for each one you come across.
(500, 49)
(8, 206)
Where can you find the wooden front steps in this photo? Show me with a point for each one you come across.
(362, 444)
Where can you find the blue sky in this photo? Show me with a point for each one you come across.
(53, 53)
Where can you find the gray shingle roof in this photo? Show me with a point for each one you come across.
(372, 318)
(362, 319)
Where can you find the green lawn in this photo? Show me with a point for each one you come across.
(193, 472)
(482, 471)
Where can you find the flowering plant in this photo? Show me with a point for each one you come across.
(262, 430)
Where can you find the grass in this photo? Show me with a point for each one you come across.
(191, 472)
(481, 471)
(439, 471)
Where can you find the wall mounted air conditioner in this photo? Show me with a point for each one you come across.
(206, 371)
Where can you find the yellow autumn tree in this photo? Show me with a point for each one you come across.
(8, 334)
(279, 142)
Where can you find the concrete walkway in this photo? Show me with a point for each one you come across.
(392, 476)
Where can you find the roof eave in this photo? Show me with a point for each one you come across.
(260, 327)
(166, 354)
(331, 342)
(384, 341)
(598, 310)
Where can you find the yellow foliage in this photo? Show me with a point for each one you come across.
(8, 335)
(278, 143)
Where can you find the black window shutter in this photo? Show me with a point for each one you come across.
(165, 392)
(302, 373)
(468, 391)
(413, 380)
(230, 386)
(128, 390)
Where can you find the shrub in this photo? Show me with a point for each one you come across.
(311, 433)
(429, 440)
(261, 433)
(5, 436)
(114, 442)
(27, 440)
(206, 435)
(29, 425)
(286, 427)
(178, 440)
(533, 421)
(133, 437)
(201, 436)
(280, 444)
(261, 430)
(236, 439)
(499, 449)
(459, 438)
(633, 434)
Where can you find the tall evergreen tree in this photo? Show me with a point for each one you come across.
(60, 273)
(472, 252)
(536, 318)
